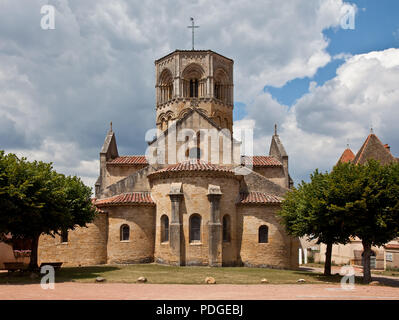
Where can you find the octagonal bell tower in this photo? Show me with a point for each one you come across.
(200, 79)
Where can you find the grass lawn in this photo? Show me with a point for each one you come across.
(391, 273)
(179, 275)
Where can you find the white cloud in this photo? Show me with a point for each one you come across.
(62, 87)
(66, 158)
(315, 130)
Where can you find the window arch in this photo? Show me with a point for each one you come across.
(222, 89)
(226, 228)
(195, 228)
(194, 153)
(164, 228)
(193, 88)
(226, 123)
(64, 235)
(263, 234)
(125, 232)
(165, 86)
(193, 81)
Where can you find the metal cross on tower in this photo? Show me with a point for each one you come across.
(192, 28)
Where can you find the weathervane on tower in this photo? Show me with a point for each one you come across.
(192, 28)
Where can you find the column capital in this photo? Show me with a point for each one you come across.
(175, 197)
(214, 197)
(214, 193)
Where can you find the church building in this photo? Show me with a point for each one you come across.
(192, 198)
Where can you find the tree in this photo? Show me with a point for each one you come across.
(308, 211)
(35, 200)
(351, 201)
(372, 207)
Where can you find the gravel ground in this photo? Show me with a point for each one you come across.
(119, 291)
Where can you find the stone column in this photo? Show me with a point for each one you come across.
(175, 225)
(215, 227)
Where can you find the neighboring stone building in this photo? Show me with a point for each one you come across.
(351, 253)
(192, 200)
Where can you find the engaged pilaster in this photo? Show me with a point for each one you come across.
(215, 227)
(176, 195)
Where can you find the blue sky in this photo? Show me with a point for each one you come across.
(376, 28)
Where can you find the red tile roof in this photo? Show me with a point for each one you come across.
(194, 165)
(373, 148)
(126, 198)
(346, 156)
(392, 246)
(261, 161)
(258, 197)
(128, 160)
(93, 201)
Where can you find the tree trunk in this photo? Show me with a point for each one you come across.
(327, 263)
(33, 266)
(366, 262)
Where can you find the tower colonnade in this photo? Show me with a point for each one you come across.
(194, 78)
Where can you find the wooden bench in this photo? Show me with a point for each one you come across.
(55, 265)
(14, 266)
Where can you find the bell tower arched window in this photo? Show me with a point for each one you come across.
(64, 235)
(217, 90)
(222, 88)
(193, 81)
(165, 86)
(194, 88)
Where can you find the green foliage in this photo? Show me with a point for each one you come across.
(35, 199)
(371, 201)
(309, 211)
(352, 200)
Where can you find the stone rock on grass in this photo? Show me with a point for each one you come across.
(210, 280)
(374, 283)
(264, 281)
(100, 279)
(142, 279)
(301, 280)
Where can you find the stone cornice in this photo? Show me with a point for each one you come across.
(185, 99)
(184, 174)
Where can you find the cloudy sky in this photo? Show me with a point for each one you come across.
(295, 65)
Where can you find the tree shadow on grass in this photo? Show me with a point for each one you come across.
(386, 281)
(336, 278)
(66, 274)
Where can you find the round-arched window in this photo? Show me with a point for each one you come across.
(263, 234)
(125, 232)
(164, 228)
(195, 228)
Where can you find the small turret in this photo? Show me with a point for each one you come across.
(277, 150)
(108, 152)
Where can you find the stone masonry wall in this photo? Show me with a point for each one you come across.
(85, 246)
(274, 174)
(115, 173)
(277, 252)
(140, 246)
